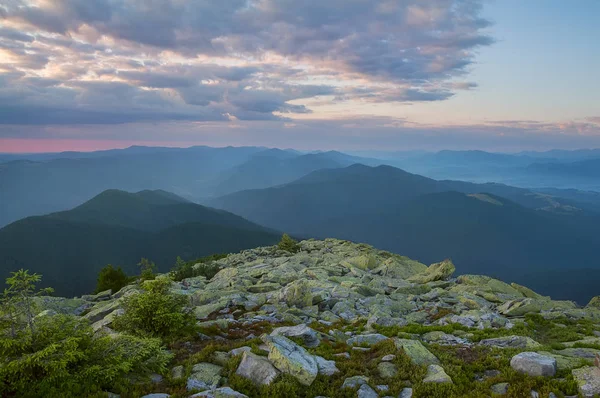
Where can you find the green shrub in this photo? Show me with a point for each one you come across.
(155, 312)
(288, 244)
(59, 356)
(111, 278)
(147, 268)
(204, 266)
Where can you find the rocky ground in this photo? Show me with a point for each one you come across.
(344, 319)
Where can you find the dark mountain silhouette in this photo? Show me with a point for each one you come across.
(69, 248)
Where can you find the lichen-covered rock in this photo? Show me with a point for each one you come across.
(406, 393)
(417, 352)
(511, 342)
(534, 364)
(204, 376)
(223, 392)
(290, 358)
(500, 389)
(256, 368)
(444, 339)
(435, 272)
(436, 374)
(309, 336)
(327, 368)
(365, 391)
(297, 294)
(594, 303)
(387, 370)
(366, 339)
(588, 380)
(355, 381)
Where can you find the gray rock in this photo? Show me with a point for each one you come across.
(436, 374)
(588, 380)
(388, 358)
(500, 388)
(204, 376)
(417, 352)
(290, 358)
(239, 351)
(534, 364)
(326, 367)
(256, 368)
(308, 335)
(406, 393)
(511, 342)
(223, 392)
(382, 388)
(177, 372)
(366, 392)
(355, 381)
(387, 370)
(366, 339)
(156, 395)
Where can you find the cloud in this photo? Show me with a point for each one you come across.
(117, 61)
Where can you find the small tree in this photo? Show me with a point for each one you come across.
(147, 269)
(111, 278)
(288, 244)
(18, 300)
(155, 312)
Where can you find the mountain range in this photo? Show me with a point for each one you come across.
(119, 228)
(475, 225)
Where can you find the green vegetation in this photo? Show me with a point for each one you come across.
(288, 244)
(111, 278)
(155, 312)
(203, 266)
(58, 355)
(147, 269)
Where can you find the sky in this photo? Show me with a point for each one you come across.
(505, 75)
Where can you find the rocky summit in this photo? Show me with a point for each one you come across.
(338, 318)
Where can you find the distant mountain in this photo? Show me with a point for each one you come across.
(36, 187)
(69, 248)
(271, 168)
(589, 168)
(40, 187)
(428, 220)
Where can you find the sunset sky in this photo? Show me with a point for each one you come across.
(503, 75)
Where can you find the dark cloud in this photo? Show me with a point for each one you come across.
(118, 61)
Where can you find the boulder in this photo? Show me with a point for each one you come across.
(239, 351)
(204, 376)
(365, 391)
(327, 368)
(297, 294)
(436, 374)
(308, 335)
(588, 380)
(534, 364)
(511, 342)
(156, 395)
(387, 370)
(256, 368)
(366, 339)
(290, 358)
(417, 352)
(223, 392)
(435, 272)
(406, 393)
(499, 389)
(355, 381)
(177, 372)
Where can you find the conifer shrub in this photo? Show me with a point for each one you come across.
(111, 278)
(288, 244)
(45, 355)
(155, 312)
